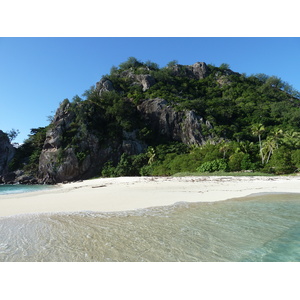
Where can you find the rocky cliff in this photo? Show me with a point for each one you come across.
(182, 126)
(59, 164)
(6, 153)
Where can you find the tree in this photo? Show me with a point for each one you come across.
(296, 158)
(257, 130)
(262, 77)
(76, 99)
(269, 145)
(12, 134)
(151, 65)
(172, 63)
(131, 62)
(274, 81)
(151, 153)
(291, 139)
(224, 147)
(281, 163)
(277, 134)
(235, 161)
(88, 93)
(224, 66)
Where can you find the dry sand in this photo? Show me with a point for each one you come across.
(129, 193)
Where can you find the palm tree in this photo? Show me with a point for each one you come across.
(257, 129)
(224, 147)
(269, 145)
(277, 135)
(151, 154)
(291, 139)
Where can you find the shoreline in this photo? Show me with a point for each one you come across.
(132, 193)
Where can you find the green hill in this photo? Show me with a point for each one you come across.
(144, 120)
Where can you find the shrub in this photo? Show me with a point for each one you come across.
(213, 166)
(296, 158)
(280, 162)
(240, 161)
(108, 170)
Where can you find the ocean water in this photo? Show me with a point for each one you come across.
(258, 228)
(21, 188)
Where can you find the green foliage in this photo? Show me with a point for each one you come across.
(27, 155)
(281, 162)
(151, 65)
(213, 166)
(295, 158)
(224, 66)
(131, 62)
(172, 63)
(127, 166)
(81, 156)
(108, 169)
(240, 161)
(12, 134)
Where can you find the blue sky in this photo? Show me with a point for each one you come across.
(36, 74)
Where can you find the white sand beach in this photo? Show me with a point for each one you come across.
(130, 193)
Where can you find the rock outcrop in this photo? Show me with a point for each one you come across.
(7, 152)
(198, 70)
(145, 80)
(58, 163)
(182, 126)
(104, 85)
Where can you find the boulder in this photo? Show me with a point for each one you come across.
(146, 81)
(104, 85)
(9, 178)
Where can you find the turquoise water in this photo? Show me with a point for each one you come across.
(20, 188)
(259, 228)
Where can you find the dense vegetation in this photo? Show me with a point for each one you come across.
(255, 122)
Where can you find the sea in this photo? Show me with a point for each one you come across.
(6, 189)
(257, 228)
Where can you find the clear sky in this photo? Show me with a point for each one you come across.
(36, 74)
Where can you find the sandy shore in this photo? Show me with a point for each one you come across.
(129, 193)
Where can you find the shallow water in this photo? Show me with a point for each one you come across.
(256, 228)
(21, 188)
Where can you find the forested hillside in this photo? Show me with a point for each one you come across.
(144, 120)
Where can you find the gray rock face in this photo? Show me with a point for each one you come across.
(146, 81)
(179, 126)
(198, 70)
(59, 164)
(104, 85)
(7, 152)
(131, 144)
